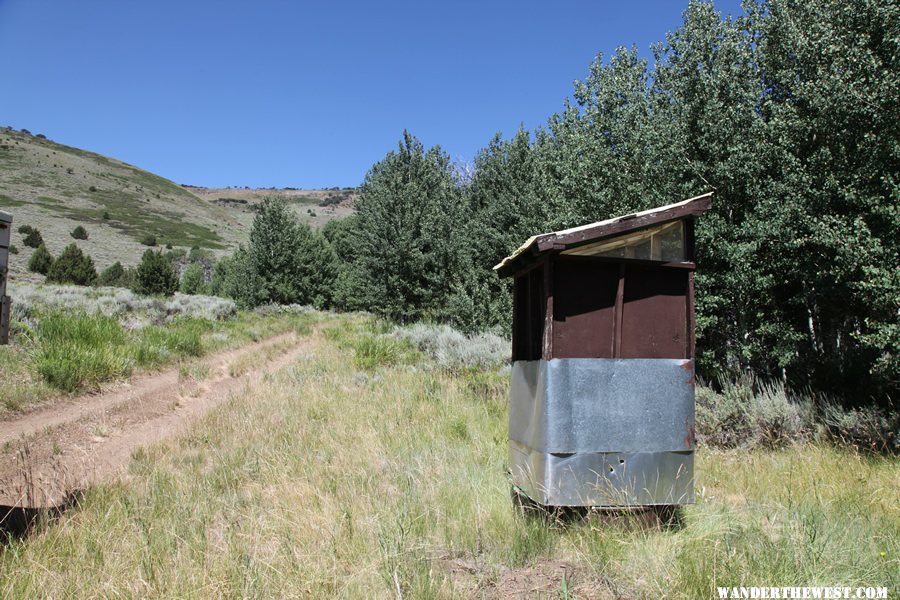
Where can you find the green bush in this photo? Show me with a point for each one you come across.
(72, 266)
(113, 275)
(155, 275)
(13, 249)
(25, 229)
(76, 350)
(40, 261)
(149, 240)
(192, 281)
(105, 215)
(33, 238)
(79, 233)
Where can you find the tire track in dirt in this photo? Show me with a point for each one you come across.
(47, 454)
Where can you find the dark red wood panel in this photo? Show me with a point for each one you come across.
(655, 313)
(529, 310)
(537, 310)
(584, 300)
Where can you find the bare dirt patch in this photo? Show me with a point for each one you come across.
(47, 454)
(542, 579)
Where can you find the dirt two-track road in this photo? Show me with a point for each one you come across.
(48, 455)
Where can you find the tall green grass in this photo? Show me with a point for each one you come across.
(71, 351)
(75, 350)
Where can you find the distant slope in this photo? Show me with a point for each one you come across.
(315, 207)
(54, 188)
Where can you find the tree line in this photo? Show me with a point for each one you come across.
(788, 112)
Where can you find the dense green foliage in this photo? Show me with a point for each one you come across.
(192, 281)
(33, 238)
(411, 253)
(72, 266)
(79, 233)
(286, 262)
(114, 276)
(155, 275)
(40, 261)
(788, 113)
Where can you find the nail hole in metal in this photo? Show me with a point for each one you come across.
(621, 461)
(611, 469)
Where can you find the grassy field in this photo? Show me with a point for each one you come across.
(69, 339)
(366, 469)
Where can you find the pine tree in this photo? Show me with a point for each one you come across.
(155, 275)
(413, 255)
(72, 266)
(40, 261)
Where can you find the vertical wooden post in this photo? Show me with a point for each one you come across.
(620, 302)
(547, 345)
(690, 333)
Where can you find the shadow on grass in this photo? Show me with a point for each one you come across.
(17, 522)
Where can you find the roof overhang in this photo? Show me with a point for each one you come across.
(537, 245)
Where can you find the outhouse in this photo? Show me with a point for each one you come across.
(5, 234)
(602, 392)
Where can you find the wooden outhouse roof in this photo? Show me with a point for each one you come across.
(585, 234)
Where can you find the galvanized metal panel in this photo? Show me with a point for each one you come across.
(573, 405)
(603, 478)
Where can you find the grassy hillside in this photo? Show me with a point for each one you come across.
(315, 207)
(54, 188)
(356, 472)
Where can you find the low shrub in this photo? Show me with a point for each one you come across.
(114, 275)
(746, 415)
(452, 349)
(72, 266)
(866, 429)
(133, 309)
(33, 238)
(13, 249)
(79, 233)
(149, 240)
(25, 229)
(40, 261)
(197, 254)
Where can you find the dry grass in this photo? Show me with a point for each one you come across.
(257, 358)
(326, 481)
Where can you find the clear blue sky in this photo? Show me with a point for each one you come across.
(305, 94)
